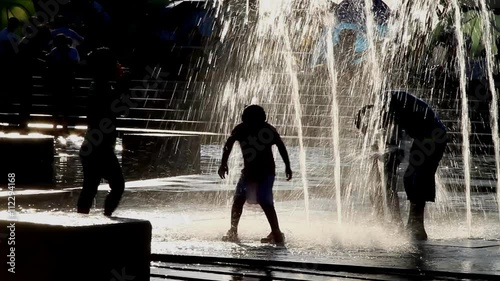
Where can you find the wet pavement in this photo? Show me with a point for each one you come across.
(318, 162)
(189, 218)
(190, 214)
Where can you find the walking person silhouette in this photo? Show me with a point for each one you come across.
(97, 152)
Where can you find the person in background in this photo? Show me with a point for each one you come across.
(97, 152)
(31, 61)
(61, 66)
(61, 27)
(9, 49)
(9, 39)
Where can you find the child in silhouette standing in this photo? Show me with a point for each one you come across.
(256, 138)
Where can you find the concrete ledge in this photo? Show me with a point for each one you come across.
(47, 247)
(150, 156)
(315, 269)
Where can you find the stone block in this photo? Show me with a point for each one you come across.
(45, 247)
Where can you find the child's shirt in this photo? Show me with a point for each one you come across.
(256, 143)
(413, 115)
(101, 119)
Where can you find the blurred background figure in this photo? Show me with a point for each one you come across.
(9, 39)
(31, 61)
(61, 64)
(9, 49)
(349, 36)
(61, 27)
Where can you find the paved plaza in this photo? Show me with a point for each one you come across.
(189, 214)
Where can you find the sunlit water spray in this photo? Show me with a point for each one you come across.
(488, 40)
(202, 222)
(465, 111)
(267, 63)
(335, 123)
(298, 118)
(373, 57)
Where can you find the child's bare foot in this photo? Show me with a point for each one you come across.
(278, 239)
(417, 231)
(231, 236)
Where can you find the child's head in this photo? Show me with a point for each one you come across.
(61, 41)
(253, 114)
(363, 119)
(12, 24)
(103, 64)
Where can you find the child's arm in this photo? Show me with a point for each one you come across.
(284, 154)
(223, 169)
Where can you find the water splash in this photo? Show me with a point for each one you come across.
(335, 123)
(314, 109)
(465, 123)
(494, 95)
(298, 118)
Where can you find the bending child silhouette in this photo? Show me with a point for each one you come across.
(97, 152)
(405, 112)
(256, 138)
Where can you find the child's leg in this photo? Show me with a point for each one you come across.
(393, 202)
(415, 224)
(415, 193)
(376, 191)
(91, 180)
(420, 182)
(239, 200)
(266, 201)
(116, 182)
(236, 212)
(272, 218)
(391, 167)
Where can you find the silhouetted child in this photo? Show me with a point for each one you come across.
(256, 138)
(98, 149)
(403, 111)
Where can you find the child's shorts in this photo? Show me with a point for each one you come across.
(264, 190)
(419, 178)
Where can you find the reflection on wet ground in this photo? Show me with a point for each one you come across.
(319, 165)
(192, 223)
